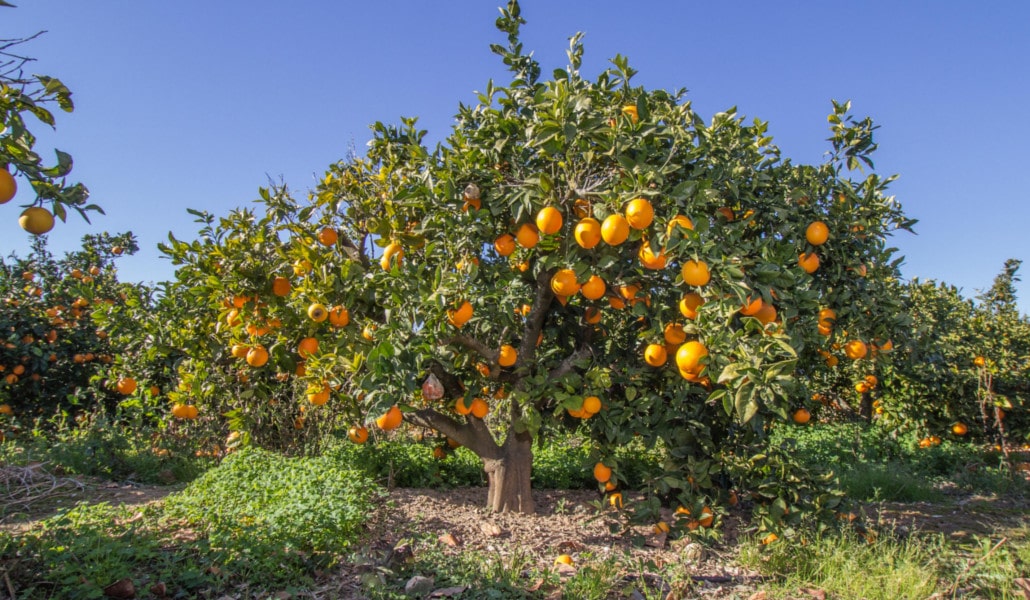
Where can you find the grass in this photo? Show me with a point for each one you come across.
(257, 521)
(889, 567)
(260, 523)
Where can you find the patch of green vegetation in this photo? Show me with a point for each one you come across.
(562, 463)
(256, 522)
(874, 465)
(108, 447)
(852, 566)
(273, 519)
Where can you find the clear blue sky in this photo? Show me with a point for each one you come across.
(196, 103)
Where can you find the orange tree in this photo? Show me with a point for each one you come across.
(952, 354)
(52, 350)
(575, 252)
(25, 98)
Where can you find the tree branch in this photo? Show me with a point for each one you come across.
(474, 434)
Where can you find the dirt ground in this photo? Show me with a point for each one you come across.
(566, 523)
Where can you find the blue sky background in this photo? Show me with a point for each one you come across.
(195, 104)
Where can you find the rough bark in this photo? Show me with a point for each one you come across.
(509, 476)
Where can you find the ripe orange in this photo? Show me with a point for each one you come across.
(639, 213)
(959, 429)
(726, 213)
(563, 559)
(307, 347)
(615, 500)
(391, 419)
(369, 332)
(318, 394)
(549, 220)
(5, 409)
(630, 110)
(772, 537)
(655, 355)
(257, 356)
(393, 254)
(461, 315)
(588, 233)
(36, 220)
(707, 517)
(766, 314)
(594, 288)
(328, 236)
(563, 282)
(239, 351)
(504, 244)
(302, 268)
(674, 333)
(527, 235)
(689, 305)
(861, 387)
(689, 355)
(358, 434)
(126, 385)
(817, 233)
(827, 316)
(479, 408)
(649, 259)
(979, 361)
(592, 315)
(280, 286)
(507, 356)
(696, 273)
(339, 316)
(184, 411)
(871, 381)
(602, 473)
(317, 312)
(680, 221)
(117, 250)
(751, 306)
(809, 262)
(856, 349)
(615, 229)
(591, 405)
(802, 416)
(8, 186)
(581, 208)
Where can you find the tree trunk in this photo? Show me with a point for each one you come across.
(508, 475)
(866, 408)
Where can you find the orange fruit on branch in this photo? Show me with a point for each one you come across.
(36, 220)
(639, 213)
(549, 220)
(817, 233)
(328, 236)
(358, 434)
(615, 229)
(809, 262)
(391, 419)
(8, 186)
(696, 273)
(587, 233)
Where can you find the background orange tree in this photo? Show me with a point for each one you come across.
(574, 253)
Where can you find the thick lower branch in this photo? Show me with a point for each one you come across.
(473, 433)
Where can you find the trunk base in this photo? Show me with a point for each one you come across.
(509, 478)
